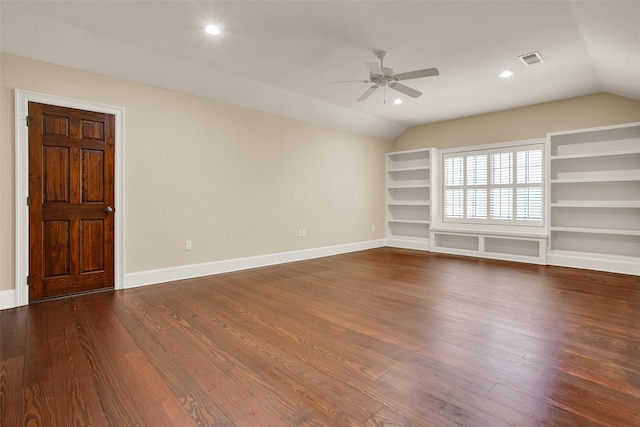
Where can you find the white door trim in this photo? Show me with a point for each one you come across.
(22, 99)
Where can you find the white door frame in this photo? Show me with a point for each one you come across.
(22, 99)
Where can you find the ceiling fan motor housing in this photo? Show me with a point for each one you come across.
(385, 79)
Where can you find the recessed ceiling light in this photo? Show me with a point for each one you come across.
(212, 29)
(397, 101)
(506, 74)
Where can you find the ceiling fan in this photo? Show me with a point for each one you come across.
(382, 76)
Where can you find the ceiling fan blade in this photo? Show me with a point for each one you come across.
(349, 81)
(375, 68)
(367, 93)
(405, 89)
(427, 72)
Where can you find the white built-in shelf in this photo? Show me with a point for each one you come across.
(408, 169)
(632, 204)
(487, 245)
(409, 198)
(407, 186)
(594, 185)
(605, 257)
(409, 221)
(597, 154)
(597, 231)
(409, 203)
(612, 178)
(616, 263)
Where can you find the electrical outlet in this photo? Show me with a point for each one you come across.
(188, 245)
(304, 232)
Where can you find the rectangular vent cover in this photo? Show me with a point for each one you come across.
(531, 58)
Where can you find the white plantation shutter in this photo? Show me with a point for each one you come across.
(454, 203)
(454, 171)
(476, 177)
(502, 168)
(477, 170)
(529, 183)
(454, 180)
(498, 186)
(502, 203)
(529, 204)
(477, 203)
(529, 166)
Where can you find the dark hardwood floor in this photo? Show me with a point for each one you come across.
(384, 337)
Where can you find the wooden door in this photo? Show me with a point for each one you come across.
(71, 199)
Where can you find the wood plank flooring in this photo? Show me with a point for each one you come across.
(384, 337)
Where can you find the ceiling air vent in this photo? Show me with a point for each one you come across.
(531, 58)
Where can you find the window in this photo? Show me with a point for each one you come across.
(494, 186)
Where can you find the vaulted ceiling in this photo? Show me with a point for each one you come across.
(280, 56)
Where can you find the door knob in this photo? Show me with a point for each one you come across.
(108, 210)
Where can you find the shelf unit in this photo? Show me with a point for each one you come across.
(409, 198)
(594, 198)
(530, 248)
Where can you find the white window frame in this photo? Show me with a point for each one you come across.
(488, 150)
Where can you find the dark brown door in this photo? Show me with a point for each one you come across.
(71, 192)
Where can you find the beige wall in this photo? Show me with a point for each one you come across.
(237, 182)
(522, 123)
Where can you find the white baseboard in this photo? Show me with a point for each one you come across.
(408, 243)
(151, 277)
(7, 299)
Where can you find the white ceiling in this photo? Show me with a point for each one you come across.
(279, 56)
